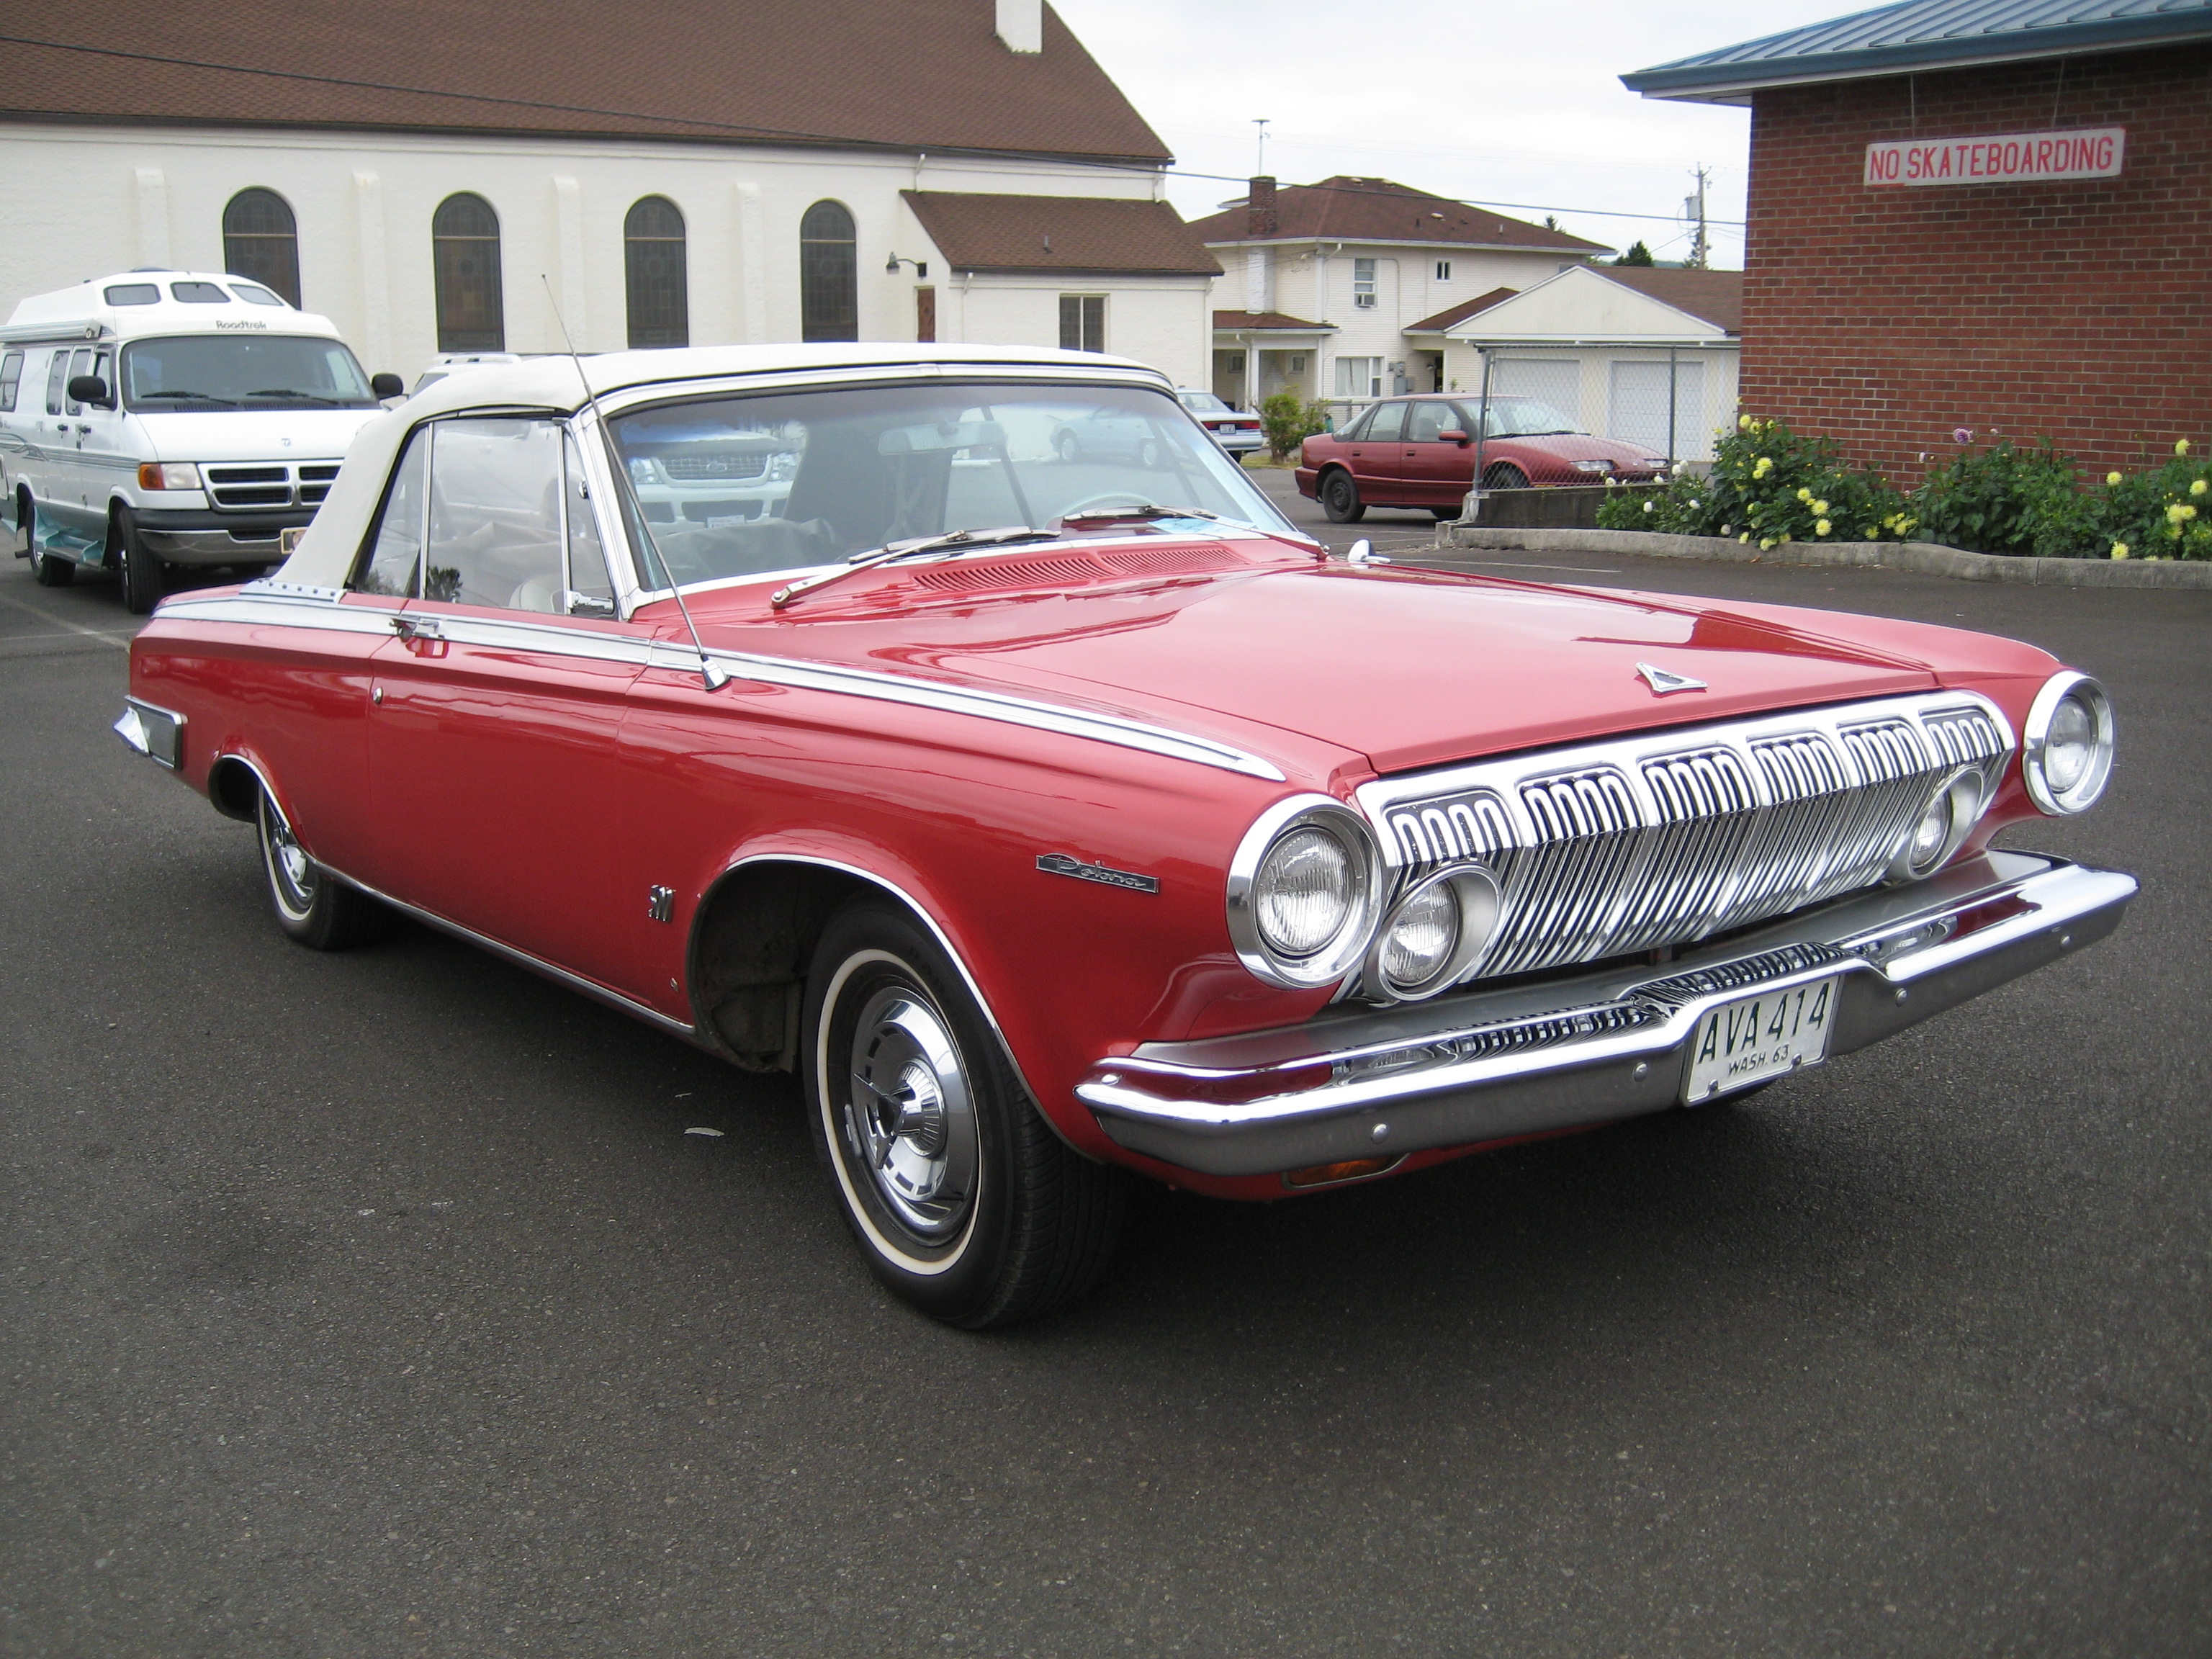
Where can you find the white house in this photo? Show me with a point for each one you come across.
(1645, 354)
(713, 172)
(1324, 284)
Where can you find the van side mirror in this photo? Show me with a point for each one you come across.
(1453, 435)
(387, 384)
(89, 389)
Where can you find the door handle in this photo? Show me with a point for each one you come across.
(417, 628)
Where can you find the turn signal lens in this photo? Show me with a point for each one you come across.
(168, 474)
(1328, 1175)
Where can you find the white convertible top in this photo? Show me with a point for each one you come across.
(324, 555)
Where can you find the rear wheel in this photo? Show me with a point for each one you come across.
(1443, 514)
(140, 571)
(1505, 476)
(1339, 499)
(312, 907)
(1069, 449)
(46, 570)
(965, 1203)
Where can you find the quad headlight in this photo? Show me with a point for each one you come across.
(2066, 747)
(1304, 890)
(1434, 934)
(1944, 823)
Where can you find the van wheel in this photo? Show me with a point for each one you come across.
(46, 570)
(965, 1203)
(140, 570)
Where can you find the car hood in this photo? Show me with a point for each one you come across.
(253, 434)
(1576, 446)
(1407, 668)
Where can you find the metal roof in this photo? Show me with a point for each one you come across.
(1925, 34)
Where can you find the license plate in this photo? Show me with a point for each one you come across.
(1756, 1038)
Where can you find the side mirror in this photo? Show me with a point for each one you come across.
(1453, 435)
(387, 384)
(89, 389)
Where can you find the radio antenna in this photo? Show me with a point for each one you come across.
(712, 672)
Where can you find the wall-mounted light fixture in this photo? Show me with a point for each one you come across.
(921, 267)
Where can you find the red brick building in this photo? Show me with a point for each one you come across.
(1902, 280)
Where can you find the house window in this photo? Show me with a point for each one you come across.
(1362, 284)
(829, 274)
(1358, 377)
(1444, 271)
(261, 239)
(464, 267)
(1082, 322)
(652, 261)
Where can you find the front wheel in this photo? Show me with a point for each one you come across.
(1505, 476)
(965, 1203)
(1339, 499)
(312, 907)
(1070, 451)
(141, 572)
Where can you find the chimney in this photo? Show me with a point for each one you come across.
(1021, 25)
(1259, 217)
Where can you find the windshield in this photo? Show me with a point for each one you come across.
(783, 481)
(1203, 403)
(243, 371)
(1525, 417)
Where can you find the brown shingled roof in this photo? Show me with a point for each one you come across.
(1379, 211)
(902, 74)
(978, 230)
(1259, 322)
(1460, 312)
(1714, 296)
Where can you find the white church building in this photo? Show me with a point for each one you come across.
(471, 178)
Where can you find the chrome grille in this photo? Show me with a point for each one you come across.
(270, 484)
(690, 468)
(1671, 836)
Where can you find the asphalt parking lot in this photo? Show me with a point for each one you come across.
(381, 1302)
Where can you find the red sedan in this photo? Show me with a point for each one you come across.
(1421, 452)
(1056, 821)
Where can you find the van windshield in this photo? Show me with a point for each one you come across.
(235, 371)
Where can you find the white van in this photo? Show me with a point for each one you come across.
(164, 417)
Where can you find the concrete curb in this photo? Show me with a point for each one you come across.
(1925, 557)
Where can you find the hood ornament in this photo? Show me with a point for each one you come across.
(1661, 681)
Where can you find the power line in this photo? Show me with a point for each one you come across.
(1521, 207)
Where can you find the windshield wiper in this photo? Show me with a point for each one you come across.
(286, 392)
(891, 552)
(1143, 510)
(181, 397)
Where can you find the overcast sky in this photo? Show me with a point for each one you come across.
(1487, 101)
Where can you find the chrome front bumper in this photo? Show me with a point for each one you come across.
(1362, 1083)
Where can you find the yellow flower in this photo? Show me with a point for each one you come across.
(1787, 539)
(1804, 495)
(1873, 534)
(1764, 544)
(2188, 512)
(1743, 423)
(1820, 506)
(2111, 479)
(2120, 549)
(1745, 537)
(2197, 488)
(1821, 528)
(2177, 512)
(2181, 446)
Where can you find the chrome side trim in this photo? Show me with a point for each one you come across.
(1488, 1066)
(1097, 726)
(539, 965)
(523, 632)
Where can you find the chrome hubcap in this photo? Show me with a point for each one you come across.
(289, 867)
(909, 1119)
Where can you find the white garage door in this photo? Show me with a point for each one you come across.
(1637, 411)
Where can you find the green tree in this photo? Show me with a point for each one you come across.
(1637, 254)
(1287, 422)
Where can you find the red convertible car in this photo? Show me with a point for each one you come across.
(1423, 452)
(1055, 817)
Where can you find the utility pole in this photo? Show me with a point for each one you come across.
(1260, 167)
(1694, 209)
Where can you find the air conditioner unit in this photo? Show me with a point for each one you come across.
(1364, 301)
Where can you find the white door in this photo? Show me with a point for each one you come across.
(1638, 410)
(1557, 381)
